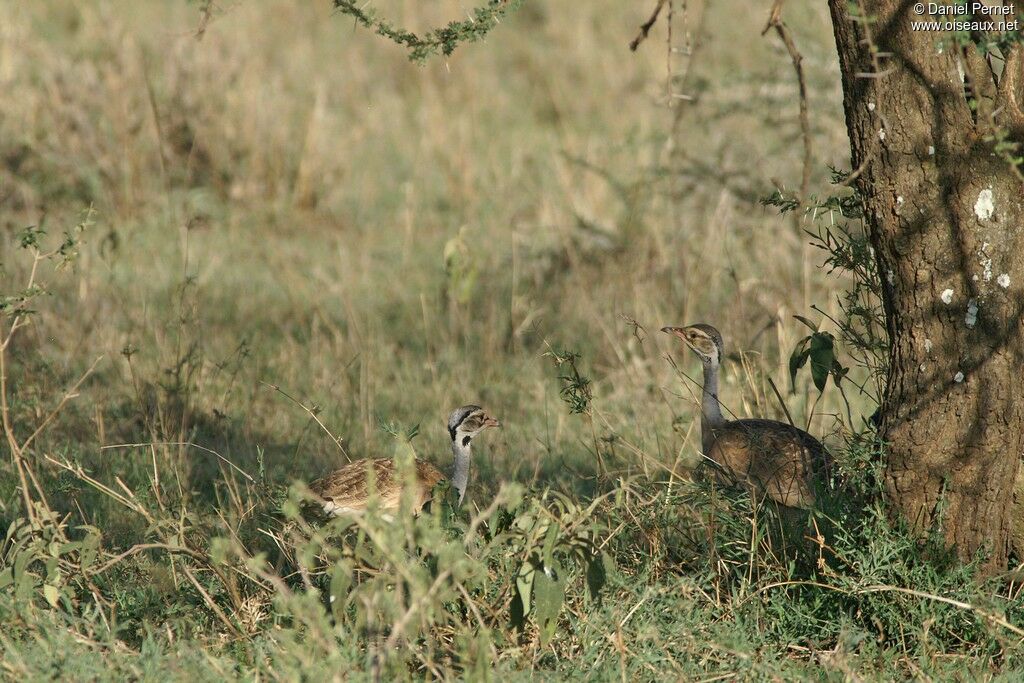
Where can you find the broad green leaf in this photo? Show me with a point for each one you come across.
(24, 587)
(21, 562)
(524, 585)
(90, 550)
(52, 594)
(822, 352)
(548, 596)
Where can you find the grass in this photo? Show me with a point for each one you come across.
(289, 203)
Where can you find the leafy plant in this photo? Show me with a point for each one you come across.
(575, 391)
(38, 562)
(818, 347)
(461, 268)
(441, 40)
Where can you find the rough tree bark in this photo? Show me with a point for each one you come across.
(945, 211)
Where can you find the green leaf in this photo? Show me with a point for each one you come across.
(823, 355)
(24, 588)
(524, 585)
(21, 563)
(597, 574)
(797, 360)
(341, 581)
(550, 539)
(52, 594)
(90, 548)
(548, 596)
(806, 321)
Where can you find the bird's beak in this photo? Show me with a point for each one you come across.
(491, 422)
(677, 331)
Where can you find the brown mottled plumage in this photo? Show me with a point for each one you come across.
(348, 489)
(772, 457)
(766, 456)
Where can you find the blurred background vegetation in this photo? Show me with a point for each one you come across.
(289, 202)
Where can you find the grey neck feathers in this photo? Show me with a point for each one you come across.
(710, 409)
(460, 474)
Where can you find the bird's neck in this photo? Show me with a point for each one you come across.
(460, 473)
(710, 409)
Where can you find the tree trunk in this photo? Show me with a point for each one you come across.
(944, 205)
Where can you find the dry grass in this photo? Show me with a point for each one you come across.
(287, 186)
(289, 202)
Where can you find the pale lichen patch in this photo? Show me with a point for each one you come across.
(927, 345)
(947, 296)
(984, 207)
(1003, 280)
(958, 377)
(972, 313)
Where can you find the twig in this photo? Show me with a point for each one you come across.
(205, 16)
(868, 158)
(994, 618)
(210, 603)
(142, 547)
(150, 444)
(775, 21)
(79, 472)
(312, 414)
(781, 402)
(645, 27)
(880, 588)
(68, 395)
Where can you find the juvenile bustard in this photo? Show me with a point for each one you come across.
(765, 456)
(348, 490)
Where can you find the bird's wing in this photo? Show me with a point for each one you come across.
(774, 457)
(348, 489)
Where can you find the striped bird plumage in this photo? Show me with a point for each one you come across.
(349, 489)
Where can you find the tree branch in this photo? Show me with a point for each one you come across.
(775, 21)
(645, 27)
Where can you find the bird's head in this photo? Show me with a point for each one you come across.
(466, 422)
(703, 340)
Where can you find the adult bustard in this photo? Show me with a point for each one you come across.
(347, 490)
(766, 456)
